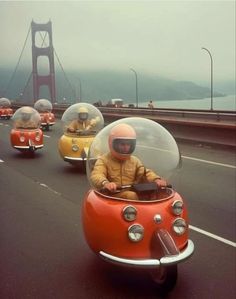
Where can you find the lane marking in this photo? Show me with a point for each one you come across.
(47, 187)
(223, 240)
(209, 162)
(1, 161)
(47, 136)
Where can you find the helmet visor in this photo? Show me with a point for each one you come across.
(124, 146)
(83, 115)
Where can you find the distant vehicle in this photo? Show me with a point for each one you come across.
(115, 103)
(5, 108)
(44, 107)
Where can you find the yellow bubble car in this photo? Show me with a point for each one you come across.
(81, 123)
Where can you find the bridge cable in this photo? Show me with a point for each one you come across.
(18, 62)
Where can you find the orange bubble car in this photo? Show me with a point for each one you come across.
(149, 233)
(6, 111)
(26, 135)
(44, 107)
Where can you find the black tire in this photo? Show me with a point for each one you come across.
(165, 278)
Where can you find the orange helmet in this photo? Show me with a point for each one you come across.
(122, 141)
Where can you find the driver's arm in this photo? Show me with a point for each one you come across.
(99, 174)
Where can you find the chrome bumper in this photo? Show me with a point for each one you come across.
(72, 159)
(27, 146)
(151, 263)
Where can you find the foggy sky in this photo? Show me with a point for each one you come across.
(153, 37)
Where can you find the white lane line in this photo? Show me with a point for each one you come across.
(47, 187)
(201, 231)
(1, 161)
(46, 136)
(209, 162)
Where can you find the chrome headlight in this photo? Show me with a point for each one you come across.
(135, 232)
(75, 148)
(177, 207)
(37, 137)
(179, 226)
(22, 138)
(129, 213)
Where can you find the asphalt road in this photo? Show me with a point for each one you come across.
(43, 254)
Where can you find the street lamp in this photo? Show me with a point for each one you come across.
(136, 84)
(211, 75)
(80, 90)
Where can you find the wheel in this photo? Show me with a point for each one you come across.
(165, 277)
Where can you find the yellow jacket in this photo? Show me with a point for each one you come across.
(82, 125)
(125, 172)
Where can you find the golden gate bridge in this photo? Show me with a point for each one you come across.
(42, 80)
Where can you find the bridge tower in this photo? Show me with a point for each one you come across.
(49, 79)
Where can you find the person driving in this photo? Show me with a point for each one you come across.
(82, 123)
(26, 121)
(119, 167)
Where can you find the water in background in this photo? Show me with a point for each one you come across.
(219, 103)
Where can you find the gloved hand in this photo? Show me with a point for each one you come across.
(161, 183)
(110, 186)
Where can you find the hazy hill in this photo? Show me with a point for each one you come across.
(104, 85)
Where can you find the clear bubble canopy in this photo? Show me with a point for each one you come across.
(43, 105)
(72, 113)
(4, 102)
(26, 114)
(155, 146)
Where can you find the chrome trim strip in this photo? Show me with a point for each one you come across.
(27, 147)
(131, 262)
(167, 260)
(182, 256)
(74, 159)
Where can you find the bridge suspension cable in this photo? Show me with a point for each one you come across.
(30, 76)
(18, 62)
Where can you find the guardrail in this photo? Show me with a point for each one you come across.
(215, 127)
(195, 114)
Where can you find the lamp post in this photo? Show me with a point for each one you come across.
(80, 90)
(136, 84)
(211, 75)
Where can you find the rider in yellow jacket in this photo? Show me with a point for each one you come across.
(82, 123)
(119, 167)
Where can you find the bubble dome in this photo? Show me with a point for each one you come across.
(155, 146)
(43, 105)
(71, 114)
(33, 116)
(5, 103)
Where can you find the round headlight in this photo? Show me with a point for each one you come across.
(129, 213)
(22, 138)
(177, 207)
(135, 232)
(37, 137)
(75, 148)
(179, 226)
